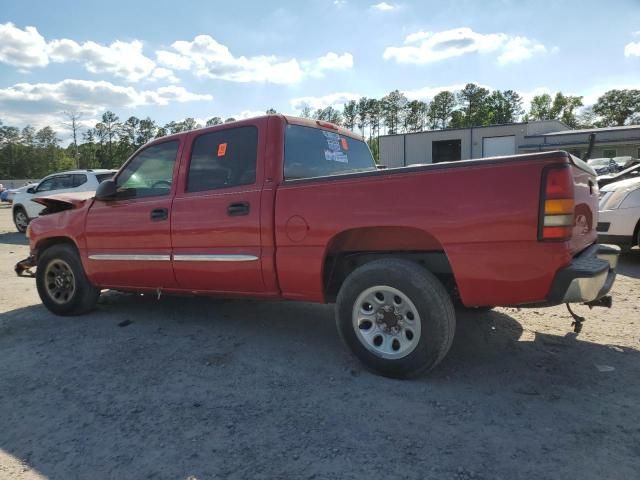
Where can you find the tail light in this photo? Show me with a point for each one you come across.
(330, 125)
(556, 203)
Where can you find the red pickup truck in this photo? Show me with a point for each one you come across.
(289, 208)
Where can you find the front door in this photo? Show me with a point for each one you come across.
(129, 237)
(215, 219)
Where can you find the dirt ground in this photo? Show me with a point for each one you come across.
(195, 388)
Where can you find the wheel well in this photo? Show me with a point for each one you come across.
(353, 248)
(51, 241)
(18, 206)
(636, 235)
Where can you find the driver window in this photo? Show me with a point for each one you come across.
(149, 174)
(46, 185)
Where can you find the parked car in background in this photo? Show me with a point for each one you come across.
(603, 166)
(278, 207)
(9, 194)
(625, 162)
(24, 209)
(619, 221)
(631, 172)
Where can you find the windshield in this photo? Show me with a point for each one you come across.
(311, 152)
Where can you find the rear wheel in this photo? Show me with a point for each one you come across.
(20, 219)
(62, 284)
(396, 317)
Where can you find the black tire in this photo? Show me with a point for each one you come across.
(20, 226)
(431, 300)
(84, 296)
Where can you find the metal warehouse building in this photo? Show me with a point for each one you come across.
(465, 143)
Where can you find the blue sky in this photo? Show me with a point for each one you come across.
(172, 60)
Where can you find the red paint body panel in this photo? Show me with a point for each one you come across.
(482, 214)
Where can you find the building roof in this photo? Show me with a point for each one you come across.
(591, 130)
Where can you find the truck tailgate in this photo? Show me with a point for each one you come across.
(586, 206)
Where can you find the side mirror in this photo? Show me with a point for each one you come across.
(31, 190)
(106, 190)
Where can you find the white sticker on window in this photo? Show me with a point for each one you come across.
(334, 151)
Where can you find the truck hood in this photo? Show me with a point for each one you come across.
(64, 201)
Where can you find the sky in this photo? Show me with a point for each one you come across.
(172, 60)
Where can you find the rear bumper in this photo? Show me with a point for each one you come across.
(589, 277)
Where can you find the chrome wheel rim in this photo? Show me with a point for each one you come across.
(386, 322)
(60, 283)
(21, 220)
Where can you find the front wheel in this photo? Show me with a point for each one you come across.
(20, 219)
(396, 317)
(62, 284)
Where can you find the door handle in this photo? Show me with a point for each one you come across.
(238, 209)
(158, 214)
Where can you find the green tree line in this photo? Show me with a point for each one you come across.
(30, 153)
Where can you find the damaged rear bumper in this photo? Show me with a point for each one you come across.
(589, 277)
(23, 267)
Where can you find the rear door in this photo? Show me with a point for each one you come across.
(129, 237)
(215, 219)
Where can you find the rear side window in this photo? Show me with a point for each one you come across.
(78, 179)
(62, 182)
(311, 152)
(223, 159)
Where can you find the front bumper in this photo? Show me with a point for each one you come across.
(589, 277)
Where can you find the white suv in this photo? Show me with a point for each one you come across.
(619, 217)
(72, 181)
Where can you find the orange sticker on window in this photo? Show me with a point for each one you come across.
(222, 149)
(344, 144)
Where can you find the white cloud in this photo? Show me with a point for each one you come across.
(22, 48)
(122, 59)
(330, 61)
(161, 73)
(428, 47)
(383, 7)
(31, 102)
(517, 49)
(336, 100)
(632, 49)
(208, 58)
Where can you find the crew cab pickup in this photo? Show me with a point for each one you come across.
(278, 207)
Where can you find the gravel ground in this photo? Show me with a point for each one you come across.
(196, 388)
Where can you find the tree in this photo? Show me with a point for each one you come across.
(271, 111)
(362, 114)
(190, 124)
(504, 107)
(473, 101)
(441, 109)
(213, 121)
(414, 116)
(564, 107)
(108, 131)
(146, 131)
(306, 112)
(393, 105)
(230, 119)
(349, 114)
(328, 114)
(618, 107)
(540, 107)
(72, 124)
